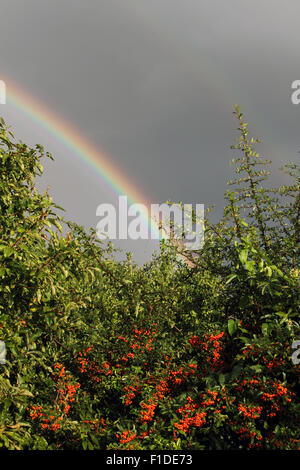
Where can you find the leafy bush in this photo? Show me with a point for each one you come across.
(111, 355)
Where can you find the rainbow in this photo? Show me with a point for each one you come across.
(100, 162)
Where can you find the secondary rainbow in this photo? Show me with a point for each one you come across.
(100, 162)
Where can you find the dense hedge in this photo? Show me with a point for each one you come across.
(111, 355)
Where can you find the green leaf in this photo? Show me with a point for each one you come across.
(265, 328)
(269, 271)
(243, 255)
(232, 326)
(230, 278)
(221, 379)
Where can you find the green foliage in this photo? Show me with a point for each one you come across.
(110, 355)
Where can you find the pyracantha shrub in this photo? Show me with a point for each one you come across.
(106, 354)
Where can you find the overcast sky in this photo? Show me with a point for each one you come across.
(153, 84)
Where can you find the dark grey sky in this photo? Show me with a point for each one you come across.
(153, 83)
